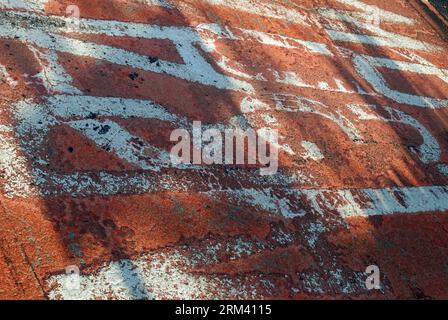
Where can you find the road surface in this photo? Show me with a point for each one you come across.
(91, 91)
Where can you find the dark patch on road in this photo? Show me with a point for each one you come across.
(104, 129)
(153, 59)
(441, 6)
(133, 76)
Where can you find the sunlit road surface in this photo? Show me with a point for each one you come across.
(358, 92)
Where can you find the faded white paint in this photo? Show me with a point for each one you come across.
(172, 273)
(292, 103)
(14, 167)
(312, 151)
(388, 40)
(443, 168)
(366, 10)
(346, 202)
(5, 76)
(53, 76)
(428, 151)
(111, 137)
(158, 3)
(282, 41)
(163, 275)
(263, 8)
(195, 68)
(84, 106)
(30, 5)
(44, 34)
(366, 67)
(291, 78)
(36, 120)
(153, 276)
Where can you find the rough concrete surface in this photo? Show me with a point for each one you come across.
(91, 91)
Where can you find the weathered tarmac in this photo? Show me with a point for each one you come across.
(358, 91)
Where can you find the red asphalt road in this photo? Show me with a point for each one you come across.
(358, 93)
